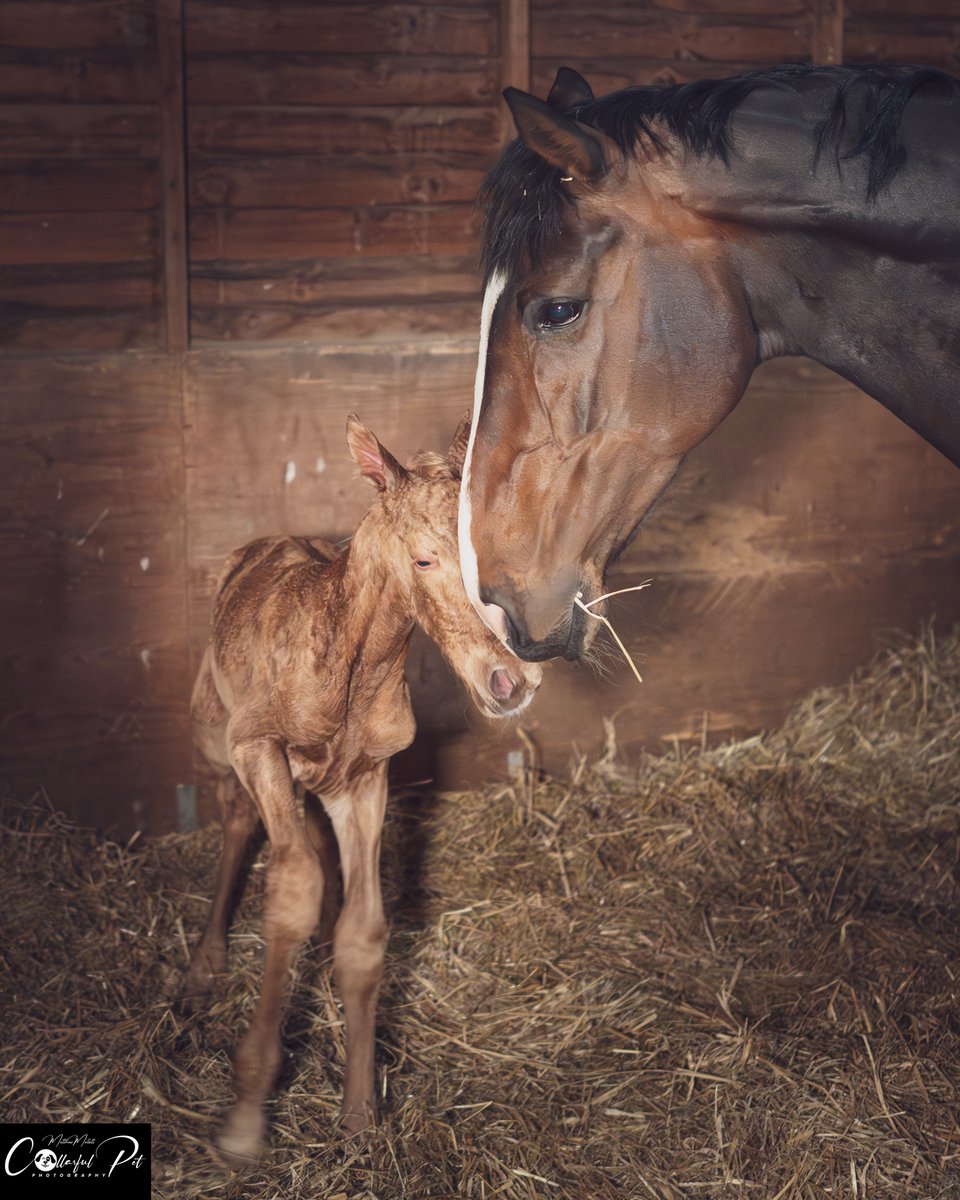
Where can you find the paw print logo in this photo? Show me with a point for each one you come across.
(46, 1160)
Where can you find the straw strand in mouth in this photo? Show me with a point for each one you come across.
(578, 600)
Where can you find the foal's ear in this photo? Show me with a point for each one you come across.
(569, 89)
(375, 463)
(581, 152)
(457, 453)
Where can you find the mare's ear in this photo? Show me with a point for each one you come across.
(458, 447)
(569, 89)
(581, 152)
(375, 463)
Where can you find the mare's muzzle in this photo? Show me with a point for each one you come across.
(564, 639)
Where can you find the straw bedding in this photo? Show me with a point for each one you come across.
(727, 972)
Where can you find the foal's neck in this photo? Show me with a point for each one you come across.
(378, 620)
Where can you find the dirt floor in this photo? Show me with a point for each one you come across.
(722, 973)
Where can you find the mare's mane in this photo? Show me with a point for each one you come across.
(524, 203)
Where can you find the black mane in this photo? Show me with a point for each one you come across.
(524, 203)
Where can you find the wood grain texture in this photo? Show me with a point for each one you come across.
(515, 44)
(85, 131)
(94, 678)
(370, 298)
(173, 173)
(336, 28)
(621, 31)
(294, 131)
(277, 79)
(111, 76)
(383, 279)
(827, 35)
(79, 185)
(77, 237)
(270, 233)
(90, 25)
(336, 181)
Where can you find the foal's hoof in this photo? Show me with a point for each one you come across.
(241, 1139)
(356, 1121)
(204, 969)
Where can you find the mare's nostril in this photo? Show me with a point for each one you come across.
(495, 603)
(502, 684)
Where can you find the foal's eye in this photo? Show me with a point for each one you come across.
(557, 313)
(424, 564)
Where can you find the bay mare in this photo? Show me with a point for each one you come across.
(644, 252)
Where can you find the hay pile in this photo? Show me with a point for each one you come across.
(729, 973)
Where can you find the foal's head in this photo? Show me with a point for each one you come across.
(615, 336)
(415, 527)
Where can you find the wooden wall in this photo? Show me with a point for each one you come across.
(224, 224)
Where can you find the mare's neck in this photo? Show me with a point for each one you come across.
(869, 288)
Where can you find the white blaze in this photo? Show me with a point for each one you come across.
(492, 615)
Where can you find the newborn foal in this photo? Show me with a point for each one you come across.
(302, 682)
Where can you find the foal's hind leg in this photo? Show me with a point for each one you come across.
(294, 894)
(240, 824)
(359, 939)
(322, 838)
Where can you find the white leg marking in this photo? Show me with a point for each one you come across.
(491, 614)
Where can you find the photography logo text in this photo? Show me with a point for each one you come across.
(40, 1159)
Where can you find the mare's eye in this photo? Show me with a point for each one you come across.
(557, 313)
(424, 564)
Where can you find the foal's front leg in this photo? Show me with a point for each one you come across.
(359, 940)
(294, 895)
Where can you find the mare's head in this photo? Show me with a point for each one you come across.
(615, 336)
(416, 531)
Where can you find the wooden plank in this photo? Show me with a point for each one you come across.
(174, 236)
(622, 32)
(99, 328)
(77, 77)
(79, 306)
(335, 280)
(934, 43)
(514, 49)
(69, 287)
(235, 131)
(827, 36)
(84, 131)
(78, 185)
(337, 322)
(338, 28)
(225, 130)
(95, 684)
(90, 25)
(77, 237)
(335, 182)
(276, 79)
(377, 299)
(252, 234)
(542, 9)
(881, 10)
